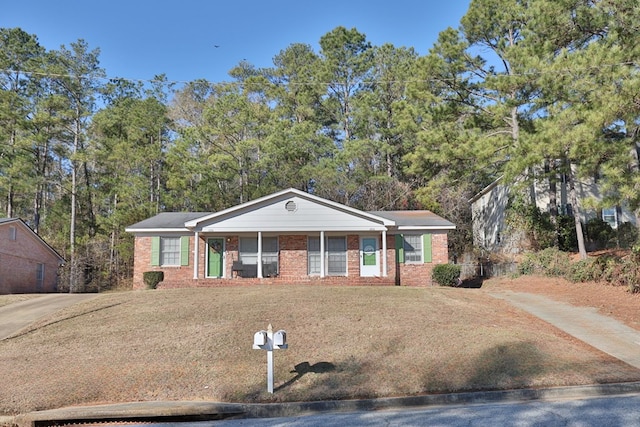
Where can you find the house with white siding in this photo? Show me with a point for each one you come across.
(489, 209)
(290, 237)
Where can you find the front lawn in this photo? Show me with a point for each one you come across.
(360, 342)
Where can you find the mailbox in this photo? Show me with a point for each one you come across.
(280, 339)
(259, 339)
(268, 340)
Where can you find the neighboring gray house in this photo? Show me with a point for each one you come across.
(488, 210)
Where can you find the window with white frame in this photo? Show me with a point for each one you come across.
(610, 216)
(412, 248)
(170, 251)
(12, 233)
(249, 250)
(335, 256)
(270, 250)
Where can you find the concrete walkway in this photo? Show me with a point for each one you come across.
(14, 317)
(602, 332)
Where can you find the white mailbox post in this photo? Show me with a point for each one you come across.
(267, 340)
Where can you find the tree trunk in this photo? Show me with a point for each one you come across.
(636, 168)
(550, 172)
(73, 268)
(576, 213)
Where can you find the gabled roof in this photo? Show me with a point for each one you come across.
(281, 195)
(277, 212)
(33, 234)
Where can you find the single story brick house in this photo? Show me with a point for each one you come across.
(290, 237)
(27, 263)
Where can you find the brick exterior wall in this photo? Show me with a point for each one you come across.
(292, 265)
(420, 274)
(19, 260)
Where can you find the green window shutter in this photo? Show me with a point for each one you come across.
(155, 250)
(426, 248)
(184, 250)
(399, 248)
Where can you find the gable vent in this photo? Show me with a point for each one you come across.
(291, 206)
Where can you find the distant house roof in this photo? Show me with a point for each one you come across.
(485, 190)
(33, 233)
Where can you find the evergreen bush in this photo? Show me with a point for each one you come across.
(152, 278)
(447, 274)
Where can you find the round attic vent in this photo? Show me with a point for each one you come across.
(291, 206)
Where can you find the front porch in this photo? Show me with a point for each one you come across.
(284, 257)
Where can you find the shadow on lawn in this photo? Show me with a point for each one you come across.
(472, 283)
(305, 368)
(506, 366)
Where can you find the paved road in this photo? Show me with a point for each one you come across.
(602, 332)
(596, 412)
(14, 317)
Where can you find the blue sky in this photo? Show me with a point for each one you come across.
(139, 39)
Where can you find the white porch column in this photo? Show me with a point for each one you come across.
(322, 254)
(196, 255)
(384, 253)
(259, 261)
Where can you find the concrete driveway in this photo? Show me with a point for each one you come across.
(16, 316)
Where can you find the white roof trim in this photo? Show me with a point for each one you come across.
(426, 227)
(194, 223)
(157, 230)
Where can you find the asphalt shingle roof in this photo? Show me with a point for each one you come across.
(414, 218)
(168, 220)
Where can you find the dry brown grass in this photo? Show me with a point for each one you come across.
(195, 344)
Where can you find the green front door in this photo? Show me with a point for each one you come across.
(214, 257)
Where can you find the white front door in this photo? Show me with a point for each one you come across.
(369, 257)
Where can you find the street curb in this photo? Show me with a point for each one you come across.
(269, 410)
(204, 411)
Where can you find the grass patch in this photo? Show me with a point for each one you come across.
(360, 342)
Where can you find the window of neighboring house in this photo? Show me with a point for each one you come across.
(412, 248)
(610, 216)
(12, 233)
(40, 276)
(170, 251)
(335, 256)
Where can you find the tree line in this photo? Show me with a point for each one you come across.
(534, 89)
